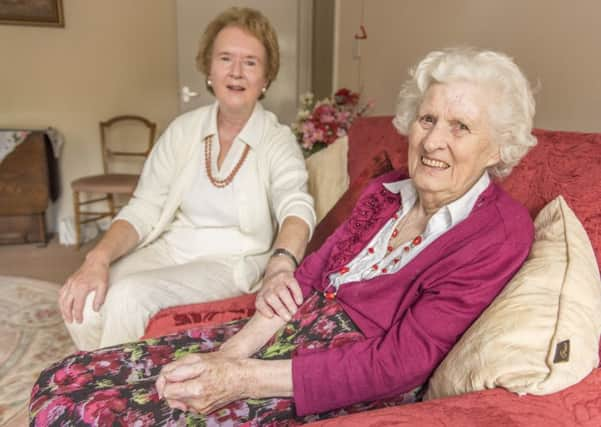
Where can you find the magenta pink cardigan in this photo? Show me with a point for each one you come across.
(412, 318)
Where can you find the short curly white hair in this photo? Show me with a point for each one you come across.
(511, 114)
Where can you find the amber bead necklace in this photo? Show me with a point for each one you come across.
(221, 183)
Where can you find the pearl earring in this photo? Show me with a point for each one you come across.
(209, 82)
(264, 90)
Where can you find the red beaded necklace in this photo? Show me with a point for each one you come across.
(331, 294)
(397, 229)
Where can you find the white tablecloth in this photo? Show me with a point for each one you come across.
(11, 138)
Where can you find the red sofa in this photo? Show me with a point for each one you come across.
(567, 163)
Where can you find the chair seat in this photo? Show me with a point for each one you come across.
(117, 183)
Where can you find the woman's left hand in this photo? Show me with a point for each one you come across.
(200, 382)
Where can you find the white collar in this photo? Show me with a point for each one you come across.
(454, 212)
(252, 132)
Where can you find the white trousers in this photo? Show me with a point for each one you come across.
(145, 282)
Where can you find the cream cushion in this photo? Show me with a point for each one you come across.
(541, 334)
(328, 175)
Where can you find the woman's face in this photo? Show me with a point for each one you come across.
(450, 142)
(237, 70)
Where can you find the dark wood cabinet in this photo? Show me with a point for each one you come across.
(26, 187)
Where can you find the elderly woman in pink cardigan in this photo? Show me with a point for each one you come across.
(369, 315)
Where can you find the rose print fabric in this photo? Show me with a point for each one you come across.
(115, 386)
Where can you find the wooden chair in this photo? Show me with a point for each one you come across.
(111, 183)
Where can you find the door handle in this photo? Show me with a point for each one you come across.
(186, 94)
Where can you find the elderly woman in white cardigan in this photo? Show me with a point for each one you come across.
(223, 191)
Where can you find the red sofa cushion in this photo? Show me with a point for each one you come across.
(183, 317)
(579, 405)
(370, 135)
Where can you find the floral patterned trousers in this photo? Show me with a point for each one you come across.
(115, 386)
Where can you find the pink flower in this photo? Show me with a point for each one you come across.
(160, 355)
(346, 97)
(35, 390)
(52, 411)
(228, 415)
(104, 408)
(139, 418)
(343, 339)
(343, 116)
(324, 326)
(106, 363)
(324, 121)
(318, 135)
(308, 127)
(307, 319)
(71, 378)
(325, 113)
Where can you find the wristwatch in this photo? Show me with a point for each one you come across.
(285, 252)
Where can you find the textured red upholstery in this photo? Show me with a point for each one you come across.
(370, 135)
(566, 163)
(579, 405)
(182, 317)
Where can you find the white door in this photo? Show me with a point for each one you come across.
(292, 21)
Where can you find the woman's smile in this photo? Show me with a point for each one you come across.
(433, 163)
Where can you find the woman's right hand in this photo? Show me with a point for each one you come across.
(92, 276)
(280, 295)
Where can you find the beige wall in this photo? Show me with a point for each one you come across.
(556, 42)
(113, 57)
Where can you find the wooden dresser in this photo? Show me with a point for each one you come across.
(28, 180)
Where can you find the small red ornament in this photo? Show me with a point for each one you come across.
(417, 240)
(370, 250)
(375, 266)
(389, 248)
(330, 295)
(343, 270)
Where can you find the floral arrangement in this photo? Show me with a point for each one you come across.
(318, 124)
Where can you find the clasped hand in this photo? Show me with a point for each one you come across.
(201, 382)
